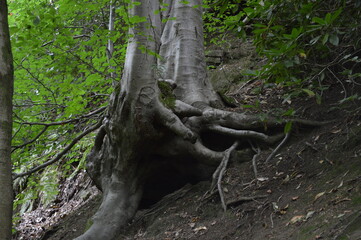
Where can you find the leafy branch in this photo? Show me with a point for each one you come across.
(59, 155)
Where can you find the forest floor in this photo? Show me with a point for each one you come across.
(310, 190)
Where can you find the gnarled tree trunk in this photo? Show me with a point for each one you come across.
(6, 93)
(146, 130)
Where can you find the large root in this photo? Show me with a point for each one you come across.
(118, 206)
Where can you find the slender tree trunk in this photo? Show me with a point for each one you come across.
(6, 93)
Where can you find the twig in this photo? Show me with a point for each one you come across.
(31, 141)
(343, 86)
(38, 80)
(245, 199)
(59, 155)
(278, 147)
(99, 110)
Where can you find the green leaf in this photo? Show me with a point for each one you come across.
(328, 18)
(288, 127)
(309, 92)
(334, 40)
(289, 112)
(248, 11)
(325, 39)
(318, 20)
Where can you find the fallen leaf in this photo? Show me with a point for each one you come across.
(276, 208)
(287, 179)
(200, 229)
(309, 214)
(340, 215)
(295, 198)
(319, 195)
(296, 219)
(262, 179)
(282, 212)
(334, 131)
(316, 138)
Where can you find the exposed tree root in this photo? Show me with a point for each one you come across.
(254, 159)
(142, 132)
(218, 174)
(273, 153)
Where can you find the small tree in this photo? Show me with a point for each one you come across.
(158, 115)
(6, 93)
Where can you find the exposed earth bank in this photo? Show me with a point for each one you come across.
(310, 190)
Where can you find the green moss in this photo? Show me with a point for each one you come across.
(88, 224)
(356, 200)
(227, 100)
(166, 97)
(306, 232)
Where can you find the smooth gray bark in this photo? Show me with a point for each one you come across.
(6, 93)
(140, 132)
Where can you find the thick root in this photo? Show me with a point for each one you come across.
(118, 207)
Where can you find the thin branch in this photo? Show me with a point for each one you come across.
(38, 81)
(59, 155)
(99, 110)
(74, 37)
(245, 199)
(278, 147)
(29, 142)
(343, 86)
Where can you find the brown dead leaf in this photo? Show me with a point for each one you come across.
(318, 196)
(296, 219)
(295, 198)
(201, 228)
(310, 214)
(334, 131)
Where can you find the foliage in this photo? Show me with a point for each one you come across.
(166, 94)
(62, 71)
(309, 44)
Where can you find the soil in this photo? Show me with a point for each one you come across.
(310, 190)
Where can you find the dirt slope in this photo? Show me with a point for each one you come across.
(310, 190)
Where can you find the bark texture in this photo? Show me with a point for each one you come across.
(6, 93)
(146, 130)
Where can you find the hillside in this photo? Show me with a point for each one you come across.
(309, 190)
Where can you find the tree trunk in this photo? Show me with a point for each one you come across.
(156, 118)
(6, 93)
